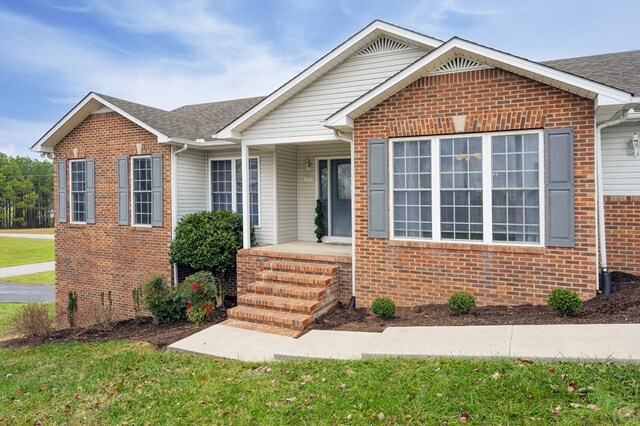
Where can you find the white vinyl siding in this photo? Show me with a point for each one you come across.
(307, 191)
(300, 116)
(286, 177)
(265, 233)
(191, 184)
(620, 172)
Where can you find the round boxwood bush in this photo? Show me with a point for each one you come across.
(565, 302)
(383, 307)
(209, 241)
(461, 302)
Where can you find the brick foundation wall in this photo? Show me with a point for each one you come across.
(106, 256)
(414, 273)
(251, 261)
(622, 215)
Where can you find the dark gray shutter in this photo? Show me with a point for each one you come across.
(378, 188)
(156, 190)
(123, 190)
(62, 190)
(90, 164)
(559, 188)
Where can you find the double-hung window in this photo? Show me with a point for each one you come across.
(78, 180)
(226, 187)
(483, 188)
(142, 192)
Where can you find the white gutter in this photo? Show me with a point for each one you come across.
(600, 193)
(174, 206)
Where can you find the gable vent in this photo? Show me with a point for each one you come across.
(459, 64)
(102, 109)
(383, 45)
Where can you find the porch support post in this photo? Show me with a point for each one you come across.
(246, 217)
(352, 302)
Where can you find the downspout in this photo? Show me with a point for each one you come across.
(605, 275)
(174, 207)
(352, 300)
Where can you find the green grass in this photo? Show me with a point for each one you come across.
(6, 312)
(44, 278)
(48, 231)
(22, 251)
(117, 383)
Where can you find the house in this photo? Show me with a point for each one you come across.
(442, 166)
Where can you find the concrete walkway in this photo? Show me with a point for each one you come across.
(620, 342)
(32, 268)
(32, 236)
(22, 293)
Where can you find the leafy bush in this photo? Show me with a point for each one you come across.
(209, 241)
(564, 301)
(461, 303)
(33, 320)
(383, 307)
(202, 292)
(166, 306)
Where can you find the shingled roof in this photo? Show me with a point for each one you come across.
(189, 122)
(620, 70)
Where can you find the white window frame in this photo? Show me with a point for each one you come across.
(487, 188)
(234, 192)
(132, 201)
(78, 222)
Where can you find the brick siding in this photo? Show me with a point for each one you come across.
(623, 233)
(422, 272)
(106, 256)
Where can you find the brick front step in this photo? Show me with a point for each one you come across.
(286, 290)
(292, 277)
(285, 304)
(295, 321)
(262, 328)
(302, 267)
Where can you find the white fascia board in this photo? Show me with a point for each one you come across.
(194, 144)
(81, 111)
(488, 56)
(329, 61)
(162, 138)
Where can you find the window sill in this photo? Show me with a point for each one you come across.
(138, 228)
(444, 245)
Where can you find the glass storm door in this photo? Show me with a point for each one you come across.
(335, 193)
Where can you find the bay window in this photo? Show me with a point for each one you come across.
(482, 188)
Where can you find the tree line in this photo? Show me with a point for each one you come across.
(26, 191)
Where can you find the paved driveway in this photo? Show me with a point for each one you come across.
(22, 293)
(31, 236)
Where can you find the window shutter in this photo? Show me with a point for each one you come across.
(123, 190)
(90, 164)
(156, 190)
(62, 190)
(378, 188)
(559, 188)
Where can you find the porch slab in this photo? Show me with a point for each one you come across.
(307, 247)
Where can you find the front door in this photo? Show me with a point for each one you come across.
(335, 193)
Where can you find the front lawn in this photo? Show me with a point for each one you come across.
(132, 383)
(44, 278)
(22, 251)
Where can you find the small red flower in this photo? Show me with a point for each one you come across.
(195, 286)
(188, 306)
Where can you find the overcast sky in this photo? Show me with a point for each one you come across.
(171, 53)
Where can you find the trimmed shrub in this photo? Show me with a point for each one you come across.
(166, 306)
(565, 302)
(209, 241)
(72, 308)
(461, 303)
(202, 292)
(383, 307)
(33, 320)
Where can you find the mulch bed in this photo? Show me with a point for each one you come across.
(622, 307)
(160, 336)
